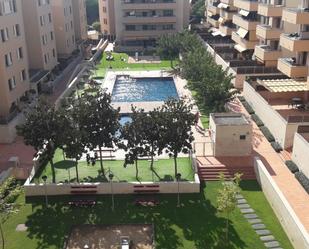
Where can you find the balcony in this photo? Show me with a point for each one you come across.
(249, 45)
(265, 53)
(295, 42)
(246, 4)
(244, 23)
(213, 22)
(226, 15)
(213, 9)
(267, 32)
(292, 69)
(270, 10)
(228, 2)
(149, 19)
(296, 16)
(150, 5)
(226, 30)
(146, 33)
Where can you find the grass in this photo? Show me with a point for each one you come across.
(195, 225)
(65, 170)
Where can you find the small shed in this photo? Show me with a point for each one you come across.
(231, 134)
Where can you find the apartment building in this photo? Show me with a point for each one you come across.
(80, 20)
(63, 19)
(138, 23)
(14, 78)
(38, 23)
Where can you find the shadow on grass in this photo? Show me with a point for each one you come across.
(250, 185)
(65, 164)
(194, 225)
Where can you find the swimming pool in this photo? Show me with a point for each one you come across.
(128, 89)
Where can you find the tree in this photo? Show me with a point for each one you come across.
(9, 191)
(97, 26)
(42, 130)
(100, 121)
(176, 123)
(169, 47)
(198, 9)
(92, 8)
(132, 134)
(226, 199)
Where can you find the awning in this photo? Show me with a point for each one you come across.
(221, 20)
(216, 33)
(209, 14)
(222, 6)
(240, 48)
(244, 12)
(242, 32)
(223, 35)
(284, 85)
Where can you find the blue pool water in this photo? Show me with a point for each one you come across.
(125, 119)
(143, 89)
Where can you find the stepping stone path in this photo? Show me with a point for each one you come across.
(265, 235)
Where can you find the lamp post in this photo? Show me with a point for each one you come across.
(178, 177)
(111, 176)
(44, 178)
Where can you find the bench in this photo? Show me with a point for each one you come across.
(83, 192)
(146, 189)
(85, 189)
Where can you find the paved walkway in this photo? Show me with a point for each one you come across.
(289, 186)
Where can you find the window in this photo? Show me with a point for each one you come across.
(168, 27)
(19, 53)
(7, 7)
(54, 53)
(42, 20)
(104, 9)
(105, 21)
(45, 58)
(68, 43)
(44, 39)
(73, 39)
(242, 137)
(16, 30)
(23, 75)
(49, 17)
(168, 13)
(66, 27)
(52, 35)
(70, 8)
(4, 34)
(43, 2)
(12, 83)
(8, 59)
(71, 25)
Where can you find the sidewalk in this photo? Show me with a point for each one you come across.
(288, 184)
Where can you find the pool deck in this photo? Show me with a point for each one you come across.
(125, 107)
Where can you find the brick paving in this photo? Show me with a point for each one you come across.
(289, 186)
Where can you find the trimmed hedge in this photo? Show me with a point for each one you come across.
(241, 98)
(248, 108)
(267, 134)
(303, 180)
(277, 147)
(257, 120)
(292, 166)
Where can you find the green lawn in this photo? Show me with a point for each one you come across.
(195, 225)
(65, 170)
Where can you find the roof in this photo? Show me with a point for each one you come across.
(229, 119)
(37, 74)
(284, 85)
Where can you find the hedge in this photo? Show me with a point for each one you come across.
(292, 166)
(303, 180)
(267, 134)
(277, 147)
(241, 98)
(257, 120)
(248, 108)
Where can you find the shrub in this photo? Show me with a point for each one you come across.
(277, 147)
(257, 120)
(241, 98)
(292, 166)
(248, 108)
(267, 134)
(303, 180)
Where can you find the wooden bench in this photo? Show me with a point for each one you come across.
(85, 189)
(146, 189)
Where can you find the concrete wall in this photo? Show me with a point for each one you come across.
(301, 153)
(284, 212)
(118, 188)
(274, 122)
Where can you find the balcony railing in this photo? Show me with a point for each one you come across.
(256, 70)
(296, 15)
(296, 42)
(291, 68)
(8, 118)
(270, 10)
(298, 119)
(147, 1)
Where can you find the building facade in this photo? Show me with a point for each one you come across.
(63, 20)
(137, 24)
(38, 23)
(14, 77)
(80, 20)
